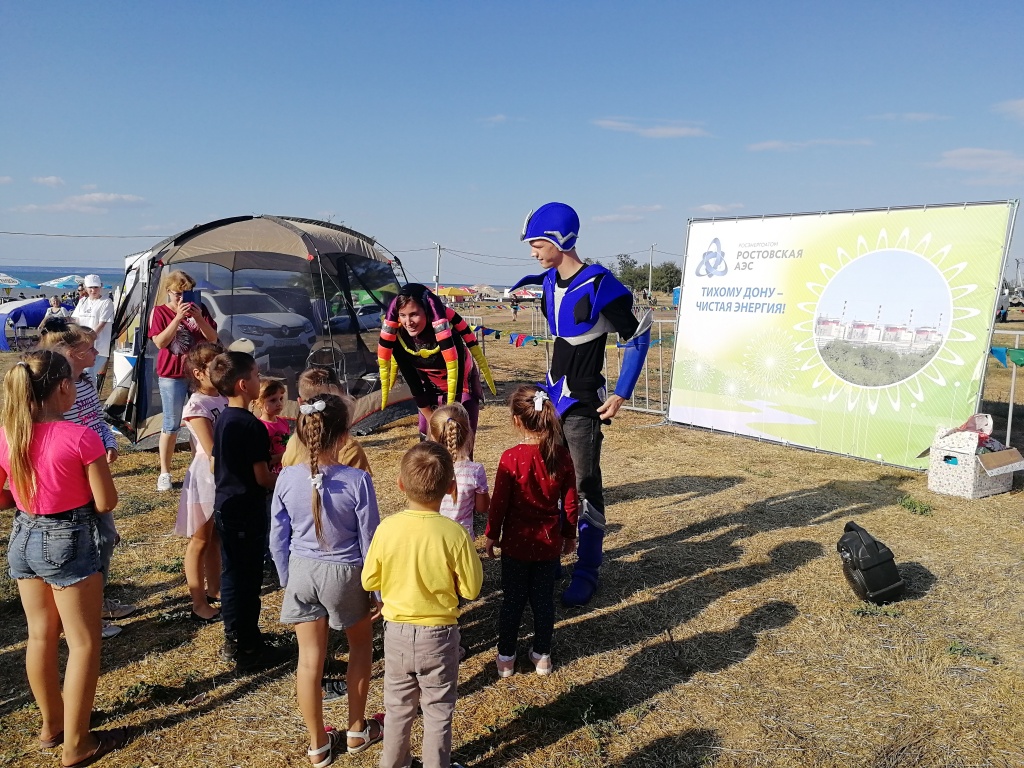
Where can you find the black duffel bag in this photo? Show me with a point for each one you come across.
(869, 566)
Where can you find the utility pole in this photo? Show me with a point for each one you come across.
(437, 268)
(650, 273)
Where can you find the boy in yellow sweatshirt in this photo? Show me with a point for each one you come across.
(421, 563)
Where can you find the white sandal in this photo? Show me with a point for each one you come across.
(368, 740)
(333, 743)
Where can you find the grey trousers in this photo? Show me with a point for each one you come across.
(583, 438)
(421, 668)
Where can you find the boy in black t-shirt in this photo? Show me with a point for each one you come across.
(241, 471)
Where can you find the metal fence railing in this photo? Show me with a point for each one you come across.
(1013, 381)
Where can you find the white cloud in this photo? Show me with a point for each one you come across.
(6, 180)
(995, 166)
(719, 208)
(792, 146)
(89, 187)
(641, 208)
(49, 181)
(495, 119)
(1013, 109)
(909, 117)
(93, 202)
(621, 218)
(658, 130)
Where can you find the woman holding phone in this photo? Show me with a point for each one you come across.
(176, 326)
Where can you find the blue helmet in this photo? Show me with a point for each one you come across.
(555, 222)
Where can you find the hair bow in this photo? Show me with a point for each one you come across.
(317, 481)
(308, 409)
(538, 399)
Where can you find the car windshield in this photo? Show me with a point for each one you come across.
(248, 304)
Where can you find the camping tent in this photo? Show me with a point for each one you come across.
(274, 281)
(21, 314)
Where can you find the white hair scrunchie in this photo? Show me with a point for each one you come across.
(308, 409)
(538, 399)
(317, 481)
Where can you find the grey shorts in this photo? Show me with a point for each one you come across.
(317, 590)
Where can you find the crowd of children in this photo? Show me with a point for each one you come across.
(339, 564)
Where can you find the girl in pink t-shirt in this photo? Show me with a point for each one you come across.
(59, 481)
(195, 507)
(449, 426)
(268, 407)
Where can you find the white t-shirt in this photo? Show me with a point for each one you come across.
(92, 312)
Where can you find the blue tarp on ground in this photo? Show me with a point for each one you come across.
(28, 312)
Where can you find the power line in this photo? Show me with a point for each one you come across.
(101, 237)
(412, 250)
(677, 255)
(488, 256)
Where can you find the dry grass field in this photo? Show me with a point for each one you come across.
(723, 635)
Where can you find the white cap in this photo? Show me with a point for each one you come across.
(92, 281)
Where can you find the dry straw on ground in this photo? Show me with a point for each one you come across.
(723, 635)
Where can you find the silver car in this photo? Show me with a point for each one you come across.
(248, 313)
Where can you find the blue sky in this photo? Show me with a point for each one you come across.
(425, 122)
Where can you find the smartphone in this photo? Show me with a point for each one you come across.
(192, 297)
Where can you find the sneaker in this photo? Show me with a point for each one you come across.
(262, 658)
(542, 663)
(109, 630)
(506, 665)
(163, 483)
(333, 689)
(115, 609)
(229, 651)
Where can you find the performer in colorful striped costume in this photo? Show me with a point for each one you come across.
(436, 352)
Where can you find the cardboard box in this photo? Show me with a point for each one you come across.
(955, 469)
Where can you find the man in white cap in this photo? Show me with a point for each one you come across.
(96, 312)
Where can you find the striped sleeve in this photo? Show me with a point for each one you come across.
(86, 411)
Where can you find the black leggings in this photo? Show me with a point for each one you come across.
(525, 581)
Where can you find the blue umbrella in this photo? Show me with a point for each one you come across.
(9, 283)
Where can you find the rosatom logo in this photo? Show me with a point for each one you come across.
(712, 263)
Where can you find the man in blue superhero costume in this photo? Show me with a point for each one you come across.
(583, 304)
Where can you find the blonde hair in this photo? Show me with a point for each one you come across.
(268, 388)
(449, 426)
(27, 386)
(62, 336)
(544, 422)
(316, 381)
(178, 281)
(320, 431)
(427, 473)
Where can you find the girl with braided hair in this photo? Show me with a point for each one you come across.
(449, 426)
(324, 515)
(436, 351)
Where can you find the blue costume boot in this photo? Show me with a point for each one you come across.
(588, 562)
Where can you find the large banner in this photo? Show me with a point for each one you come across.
(851, 332)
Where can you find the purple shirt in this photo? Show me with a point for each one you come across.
(348, 514)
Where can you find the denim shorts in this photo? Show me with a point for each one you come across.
(173, 394)
(60, 549)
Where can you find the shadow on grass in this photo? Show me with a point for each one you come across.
(919, 580)
(692, 486)
(689, 749)
(655, 668)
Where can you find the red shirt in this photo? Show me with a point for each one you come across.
(172, 360)
(532, 512)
